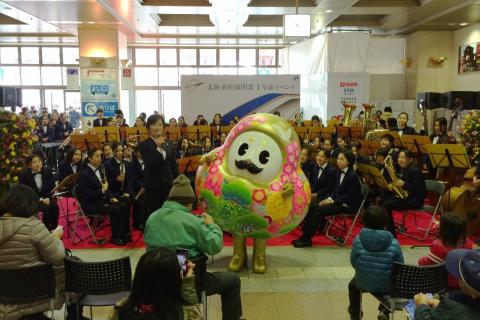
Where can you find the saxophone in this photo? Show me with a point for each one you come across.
(347, 113)
(399, 192)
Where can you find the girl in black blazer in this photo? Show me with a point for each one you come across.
(410, 178)
(71, 164)
(93, 194)
(345, 198)
(322, 178)
(40, 179)
(403, 128)
(160, 165)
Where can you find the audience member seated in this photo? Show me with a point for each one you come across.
(40, 179)
(298, 120)
(402, 122)
(181, 122)
(345, 199)
(206, 145)
(463, 265)
(373, 253)
(25, 242)
(306, 161)
(174, 226)
(172, 122)
(160, 290)
(316, 121)
(200, 121)
(186, 150)
(71, 164)
(139, 122)
(452, 235)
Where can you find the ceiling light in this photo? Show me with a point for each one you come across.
(328, 11)
(451, 24)
(91, 22)
(463, 24)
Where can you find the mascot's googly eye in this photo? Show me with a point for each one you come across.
(255, 156)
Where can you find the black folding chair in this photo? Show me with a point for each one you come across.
(200, 271)
(99, 283)
(408, 280)
(18, 286)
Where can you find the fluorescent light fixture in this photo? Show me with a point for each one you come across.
(463, 24)
(329, 11)
(296, 25)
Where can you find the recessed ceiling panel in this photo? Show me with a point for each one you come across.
(367, 20)
(386, 3)
(264, 21)
(4, 19)
(185, 20)
(194, 3)
(282, 3)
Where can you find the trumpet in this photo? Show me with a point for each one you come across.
(399, 192)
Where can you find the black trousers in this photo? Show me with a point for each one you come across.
(137, 216)
(152, 201)
(391, 204)
(227, 285)
(49, 214)
(316, 218)
(119, 214)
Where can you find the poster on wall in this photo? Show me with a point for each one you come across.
(239, 95)
(469, 57)
(99, 90)
(351, 88)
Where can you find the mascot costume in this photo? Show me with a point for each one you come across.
(253, 185)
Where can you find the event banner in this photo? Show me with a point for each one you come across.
(239, 95)
(99, 90)
(469, 57)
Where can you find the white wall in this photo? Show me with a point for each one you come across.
(465, 81)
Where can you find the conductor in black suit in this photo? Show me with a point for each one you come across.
(345, 198)
(409, 178)
(100, 121)
(40, 179)
(160, 165)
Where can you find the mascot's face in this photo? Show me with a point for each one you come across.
(255, 187)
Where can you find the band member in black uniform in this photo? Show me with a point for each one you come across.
(376, 194)
(322, 178)
(71, 164)
(138, 169)
(100, 121)
(45, 132)
(160, 165)
(119, 178)
(63, 126)
(345, 198)
(40, 179)
(306, 161)
(410, 179)
(441, 136)
(92, 192)
(402, 122)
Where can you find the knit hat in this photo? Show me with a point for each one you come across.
(182, 190)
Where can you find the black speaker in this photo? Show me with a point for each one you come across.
(477, 100)
(432, 100)
(468, 98)
(8, 96)
(19, 97)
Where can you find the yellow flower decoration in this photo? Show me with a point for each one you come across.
(277, 206)
(15, 178)
(13, 154)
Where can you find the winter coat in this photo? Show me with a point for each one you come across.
(446, 310)
(26, 242)
(438, 253)
(372, 257)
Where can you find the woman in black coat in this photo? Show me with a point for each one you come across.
(160, 165)
(40, 179)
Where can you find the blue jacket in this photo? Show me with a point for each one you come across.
(373, 254)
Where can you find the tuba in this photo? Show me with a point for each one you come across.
(399, 192)
(368, 124)
(347, 113)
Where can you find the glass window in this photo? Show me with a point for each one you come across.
(146, 57)
(228, 57)
(168, 57)
(125, 105)
(72, 99)
(266, 57)
(208, 57)
(247, 57)
(171, 103)
(146, 76)
(10, 76)
(146, 101)
(30, 55)
(227, 71)
(51, 76)
(70, 55)
(188, 57)
(50, 55)
(31, 76)
(247, 71)
(54, 99)
(31, 97)
(168, 76)
(267, 71)
(213, 71)
(9, 55)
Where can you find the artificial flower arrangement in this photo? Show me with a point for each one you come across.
(470, 135)
(16, 143)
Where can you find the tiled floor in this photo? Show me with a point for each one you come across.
(300, 284)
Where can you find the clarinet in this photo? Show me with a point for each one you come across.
(122, 172)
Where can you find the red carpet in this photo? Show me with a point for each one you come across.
(137, 237)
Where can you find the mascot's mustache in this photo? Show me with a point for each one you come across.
(250, 166)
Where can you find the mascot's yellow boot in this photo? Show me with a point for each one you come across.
(239, 259)
(258, 264)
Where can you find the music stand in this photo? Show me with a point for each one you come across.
(370, 146)
(374, 175)
(301, 132)
(107, 134)
(226, 129)
(64, 185)
(85, 141)
(172, 133)
(137, 134)
(355, 133)
(416, 144)
(333, 122)
(188, 164)
(197, 133)
(344, 132)
(397, 139)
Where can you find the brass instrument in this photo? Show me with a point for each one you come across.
(347, 113)
(399, 192)
(375, 135)
(368, 124)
